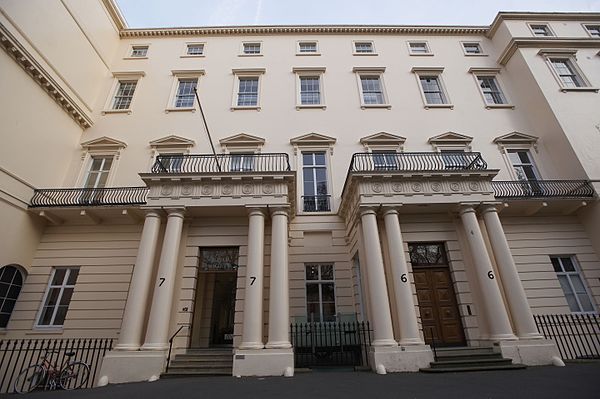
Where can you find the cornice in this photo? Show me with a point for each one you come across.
(303, 29)
(541, 16)
(115, 13)
(39, 74)
(547, 42)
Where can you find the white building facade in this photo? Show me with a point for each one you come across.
(439, 183)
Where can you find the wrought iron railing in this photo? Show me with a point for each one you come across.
(18, 354)
(417, 161)
(54, 197)
(331, 344)
(268, 162)
(316, 203)
(523, 189)
(577, 336)
(171, 345)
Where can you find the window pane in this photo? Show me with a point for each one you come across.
(320, 158)
(564, 283)
(418, 47)
(195, 49)
(573, 305)
(3, 290)
(61, 314)
(556, 265)
(328, 292)
(7, 306)
(307, 158)
(312, 292)
(568, 264)
(577, 283)
(46, 316)
(59, 276)
(586, 303)
(312, 272)
(329, 312)
(66, 297)
(7, 274)
(326, 272)
(185, 93)
(313, 312)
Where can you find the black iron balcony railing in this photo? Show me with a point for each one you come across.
(417, 161)
(60, 197)
(316, 203)
(268, 162)
(524, 189)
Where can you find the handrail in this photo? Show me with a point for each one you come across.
(526, 189)
(435, 357)
(222, 163)
(64, 197)
(171, 344)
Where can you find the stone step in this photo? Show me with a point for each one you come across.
(203, 365)
(459, 356)
(463, 351)
(470, 363)
(190, 372)
(204, 357)
(474, 368)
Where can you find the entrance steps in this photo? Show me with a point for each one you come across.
(201, 362)
(450, 360)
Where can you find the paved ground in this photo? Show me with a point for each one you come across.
(575, 381)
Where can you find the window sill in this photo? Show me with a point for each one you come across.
(240, 108)
(308, 54)
(592, 89)
(41, 330)
(499, 106)
(365, 106)
(312, 106)
(186, 109)
(135, 58)
(250, 55)
(116, 111)
(421, 54)
(192, 56)
(476, 55)
(367, 54)
(428, 106)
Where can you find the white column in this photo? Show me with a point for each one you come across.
(279, 296)
(515, 294)
(407, 315)
(160, 313)
(132, 325)
(383, 332)
(253, 290)
(491, 298)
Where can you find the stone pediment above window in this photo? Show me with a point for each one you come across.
(103, 144)
(451, 141)
(242, 141)
(172, 143)
(314, 140)
(383, 140)
(516, 139)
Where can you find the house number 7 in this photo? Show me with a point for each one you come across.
(253, 279)
(162, 281)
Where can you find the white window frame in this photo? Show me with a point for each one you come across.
(570, 56)
(436, 72)
(587, 30)
(371, 42)
(427, 47)
(301, 72)
(314, 53)
(62, 287)
(371, 71)
(581, 276)
(491, 72)
(246, 73)
(99, 150)
(243, 45)
(533, 163)
(18, 271)
(481, 53)
(319, 282)
(188, 44)
(545, 24)
(118, 77)
(182, 75)
(130, 49)
(327, 168)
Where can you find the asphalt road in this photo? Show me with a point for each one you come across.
(575, 381)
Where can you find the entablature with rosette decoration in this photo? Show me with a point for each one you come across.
(395, 188)
(221, 190)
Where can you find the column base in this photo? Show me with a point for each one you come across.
(503, 337)
(126, 347)
(278, 345)
(400, 359)
(154, 347)
(129, 366)
(531, 352)
(251, 345)
(263, 362)
(411, 342)
(385, 343)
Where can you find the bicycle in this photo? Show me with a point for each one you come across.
(71, 374)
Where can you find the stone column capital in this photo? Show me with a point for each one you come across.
(367, 210)
(175, 212)
(390, 210)
(485, 208)
(466, 208)
(256, 212)
(152, 213)
(280, 211)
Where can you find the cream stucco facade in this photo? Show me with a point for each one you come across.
(352, 152)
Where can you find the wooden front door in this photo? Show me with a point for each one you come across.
(438, 307)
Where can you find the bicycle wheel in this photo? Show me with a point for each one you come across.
(74, 375)
(29, 379)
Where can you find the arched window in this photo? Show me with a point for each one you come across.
(11, 281)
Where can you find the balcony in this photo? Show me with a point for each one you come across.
(537, 189)
(417, 162)
(78, 197)
(222, 163)
(316, 203)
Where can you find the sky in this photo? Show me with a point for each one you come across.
(172, 13)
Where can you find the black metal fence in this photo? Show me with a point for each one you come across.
(267, 162)
(331, 344)
(18, 354)
(524, 189)
(577, 336)
(54, 197)
(417, 161)
(316, 203)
